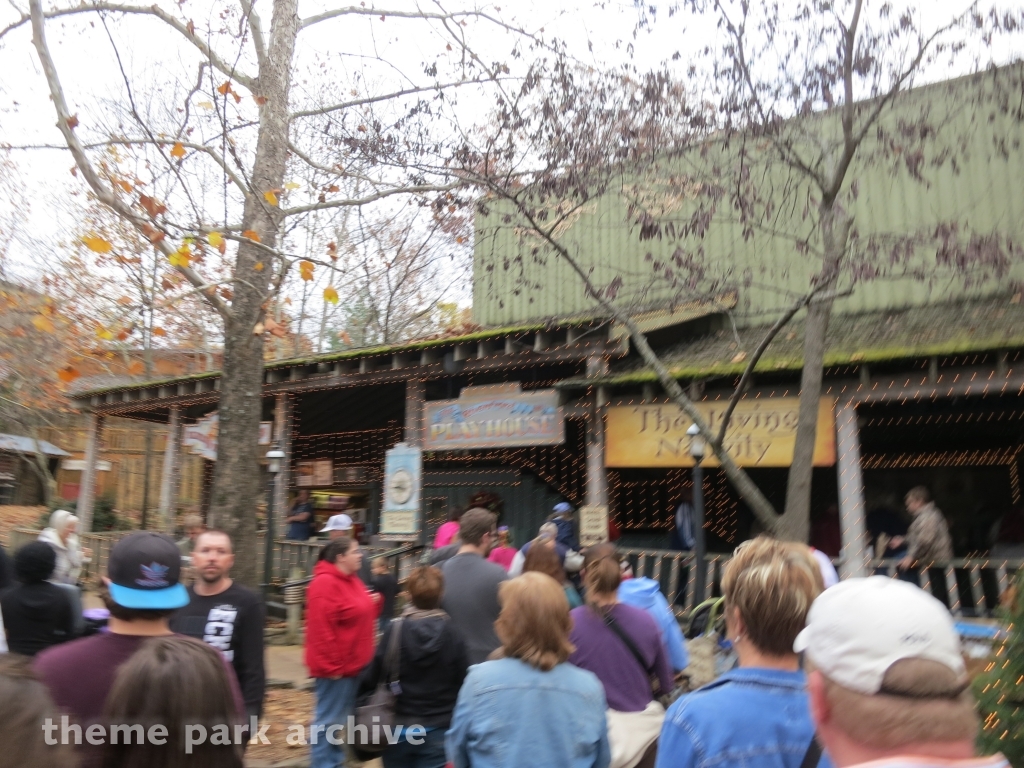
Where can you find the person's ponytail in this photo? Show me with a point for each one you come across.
(603, 577)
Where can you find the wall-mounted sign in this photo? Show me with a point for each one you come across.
(314, 474)
(762, 433)
(593, 525)
(78, 465)
(497, 416)
(350, 475)
(201, 438)
(401, 518)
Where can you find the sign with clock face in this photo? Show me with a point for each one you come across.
(401, 518)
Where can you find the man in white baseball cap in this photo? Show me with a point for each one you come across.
(337, 526)
(886, 679)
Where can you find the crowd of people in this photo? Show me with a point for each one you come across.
(550, 656)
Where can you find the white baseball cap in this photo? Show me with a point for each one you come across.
(859, 628)
(337, 523)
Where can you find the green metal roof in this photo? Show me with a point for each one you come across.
(972, 176)
(949, 329)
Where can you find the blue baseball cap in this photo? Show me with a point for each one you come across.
(144, 569)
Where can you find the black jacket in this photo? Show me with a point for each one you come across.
(431, 669)
(36, 616)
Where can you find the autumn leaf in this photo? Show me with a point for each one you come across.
(224, 88)
(306, 270)
(128, 188)
(191, 27)
(206, 104)
(123, 335)
(68, 374)
(178, 150)
(151, 206)
(330, 295)
(72, 122)
(104, 333)
(43, 323)
(125, 301)
(158, 331)
(270, 197)
(97, 244)
(258, 266)
(260, 100)
(333, 188)
(136, 368)
(215, 239)
(252, 234)
(291, 186)
(154, 235)
(332, 251)
(238, 99)
(182, 257)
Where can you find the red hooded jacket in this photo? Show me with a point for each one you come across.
(340, 623)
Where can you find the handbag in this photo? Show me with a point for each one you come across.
(377, 714)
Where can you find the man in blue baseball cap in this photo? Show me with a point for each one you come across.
(142, 590)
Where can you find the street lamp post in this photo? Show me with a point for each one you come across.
(699, 545)
(274, 456)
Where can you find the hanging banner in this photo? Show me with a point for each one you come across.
(762, 433)
(495, 416)
(401, 518)
(201, 438)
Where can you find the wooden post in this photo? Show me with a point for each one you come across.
(851, 493)
(169, 478)
(283, 437)
(87, 491)
(414, 396)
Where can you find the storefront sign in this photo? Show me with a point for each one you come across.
(401, 518)
(201, 438)
(498, 416)
(762, 433)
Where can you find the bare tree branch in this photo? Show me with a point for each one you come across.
(104, 194)
(155, 11)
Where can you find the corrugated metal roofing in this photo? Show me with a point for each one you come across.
(22, 444)
(972, 176)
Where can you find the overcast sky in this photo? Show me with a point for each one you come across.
(84, 57)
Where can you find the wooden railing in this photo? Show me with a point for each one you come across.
(968, 587)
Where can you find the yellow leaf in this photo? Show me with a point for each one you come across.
(291, 186)
(206, 104)
(178, 151)
(258, 266)
(181, 257)
(97, 244)
(43, 323)
(306, 270)
(104, 333)
(330, 295)
(252, 234)
(270, 197)
(215, 239)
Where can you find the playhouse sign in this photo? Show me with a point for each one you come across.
(495, 416)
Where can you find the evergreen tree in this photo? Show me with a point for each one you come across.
(1000, 689)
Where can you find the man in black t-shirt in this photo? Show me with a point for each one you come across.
(225, 615)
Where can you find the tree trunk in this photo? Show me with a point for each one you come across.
(795, 523)
(234, 493)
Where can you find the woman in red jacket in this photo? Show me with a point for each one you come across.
(341, 617)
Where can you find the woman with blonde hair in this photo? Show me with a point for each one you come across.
(527, 705)
(757, 715)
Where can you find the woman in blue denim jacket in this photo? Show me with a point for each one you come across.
(530, 708)
(757, 715)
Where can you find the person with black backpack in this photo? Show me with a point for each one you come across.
(623, 646)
